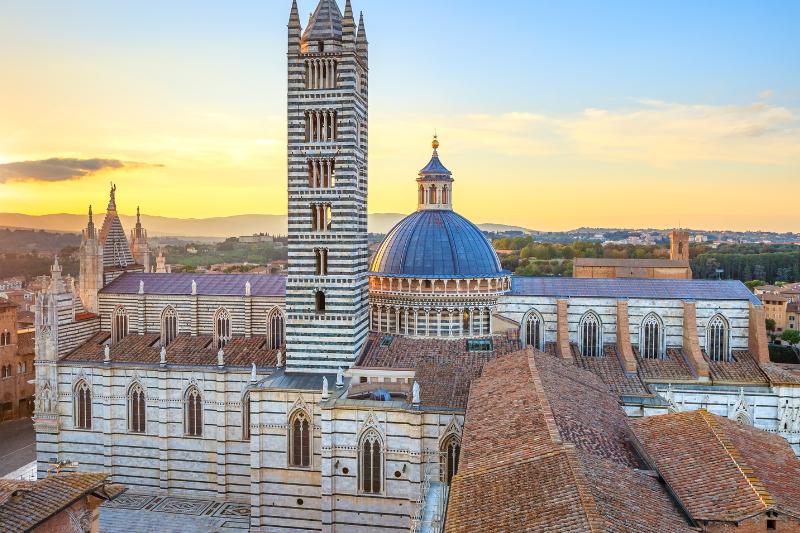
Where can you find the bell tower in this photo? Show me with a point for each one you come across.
(326, 292)
(679, 245)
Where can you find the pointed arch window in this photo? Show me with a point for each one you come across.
(717, 339)
(169, 325)
(136, 409)
(591, 335)
(193, 412)
(119, 324)
(445, 194)
(222, 327)
(319, 302)
(300, 440)
(533, 330)
(370, 463)
(651, 337)
(450, 452)
(82, 399)
(276, 329)
(246, 416)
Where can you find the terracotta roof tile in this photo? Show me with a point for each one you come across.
(718, 469)
(36, 501)
(443, 368)
(545, 448)
(741, 369)
(184, 350)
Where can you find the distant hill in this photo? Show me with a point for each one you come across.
(217, 227)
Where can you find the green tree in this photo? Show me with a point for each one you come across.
(770, 323)
(792, 336)
(753, 283)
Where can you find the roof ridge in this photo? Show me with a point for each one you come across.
(747, 472)
(588, 503)
(547, 412)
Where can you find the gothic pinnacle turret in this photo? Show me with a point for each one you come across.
(361, 39)
(348, 26)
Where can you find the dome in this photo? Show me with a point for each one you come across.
(436, 244)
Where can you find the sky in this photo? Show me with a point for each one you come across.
(551, 115)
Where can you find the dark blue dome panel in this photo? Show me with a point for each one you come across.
(436, 244)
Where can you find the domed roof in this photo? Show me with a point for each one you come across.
(436, 244)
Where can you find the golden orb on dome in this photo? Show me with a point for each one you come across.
(435, 143)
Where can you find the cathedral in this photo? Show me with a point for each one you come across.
(333, 398)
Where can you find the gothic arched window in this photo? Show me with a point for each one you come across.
(717, 339)
(136, 409)
(319, 302)
(119, 324)
(169, 325)
(275, 329)
(193, 412)
(82, 399)
(533, 330)
(370, 462)
(222, 327)
(651, 337)
(444, 194)
(450, 450)
(591, 335)
(246, 416)
(299, 439)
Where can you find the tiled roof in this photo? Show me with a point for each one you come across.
(641, 263)
(184, 350)
(671, 368)
(545, 448)
(741, 369)
(436, 243)
(26, 504)
(5, 303)
(207, 284)
(609, 368)
(435, 168)
(668, 289)
(443, 368)
(718, 469)
(782, 374)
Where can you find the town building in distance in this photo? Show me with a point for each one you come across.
(340, 395)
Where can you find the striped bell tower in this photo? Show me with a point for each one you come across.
(327, 291)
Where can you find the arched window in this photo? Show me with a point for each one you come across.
(246, 416)
(533, 330)
(3, 339)
(222, 327)
(119, 324)
(651, 337)
(82, 399)
(275, 329)
(717, 339)
(444, 194)
(193, 412)
(433, 194)
(8, 338)
(370, 463)
(169, 325)
(591, 335)
(299, 439)
(136, 409)
(421, 194)
(450, 450)
(319, 302)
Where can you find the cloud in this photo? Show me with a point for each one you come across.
(766, 94)
(62, 169)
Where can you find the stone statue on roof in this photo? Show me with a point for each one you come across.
(415, 393)
(324, 388)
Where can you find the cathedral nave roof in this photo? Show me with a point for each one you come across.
(207, 284)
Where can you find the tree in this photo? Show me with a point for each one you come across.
(770, 323)
(753, 283)
(791, 336)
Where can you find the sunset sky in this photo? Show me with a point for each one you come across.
(551, 115)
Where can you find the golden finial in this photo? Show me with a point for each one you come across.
(435, 142)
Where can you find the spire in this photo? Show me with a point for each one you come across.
(56, 283)
(325, 22)
(294, 29)
(361, 38)
(348, 25)
(138, 216)
(91, 233)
